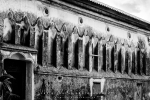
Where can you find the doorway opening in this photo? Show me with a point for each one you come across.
(17, 68)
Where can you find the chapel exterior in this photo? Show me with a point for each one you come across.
(74, 50)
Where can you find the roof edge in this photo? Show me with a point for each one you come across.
(106, 10)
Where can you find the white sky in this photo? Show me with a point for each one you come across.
(139, 8)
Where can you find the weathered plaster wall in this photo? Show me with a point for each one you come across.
(74, 88)
(146, 90)
(37, 8)
(124, 89)
(120, 89)
(61, 88)
(99, 27)
(66, 42)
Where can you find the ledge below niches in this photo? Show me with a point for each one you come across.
(86, 74)
(11, 47)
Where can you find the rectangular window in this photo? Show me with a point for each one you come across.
(97, 87)
(95, 56)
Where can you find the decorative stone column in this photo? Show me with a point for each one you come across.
(116, 51)
(90, 56)
(100, 53)
(52, 45)
(1, 63)
(59, 50)
(130, 62)
(80, 53)
(86, 52)
(45, 48)
(123, 57)
(72, 38)
(148, 63)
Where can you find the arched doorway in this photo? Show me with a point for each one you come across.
(21, 68)
(17, 68)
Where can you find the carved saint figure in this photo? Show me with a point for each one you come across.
(7, 30)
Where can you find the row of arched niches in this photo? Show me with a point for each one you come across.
(61, 44)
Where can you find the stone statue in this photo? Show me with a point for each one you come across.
(7, 30)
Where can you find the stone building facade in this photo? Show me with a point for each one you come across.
(73, 50)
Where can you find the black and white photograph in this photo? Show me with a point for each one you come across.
(74, 50)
